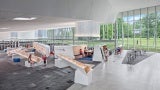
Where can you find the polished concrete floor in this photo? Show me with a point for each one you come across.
(113, 75)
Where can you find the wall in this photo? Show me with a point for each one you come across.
(4, 35)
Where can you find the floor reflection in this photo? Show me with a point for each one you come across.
(130, 68)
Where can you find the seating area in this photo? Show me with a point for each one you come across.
(23, 52)
(118, 50)
(79, 44)
(86, 58)
(135, 56)
(82, 52)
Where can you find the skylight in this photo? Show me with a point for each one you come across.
(4, 28)
(25, 19)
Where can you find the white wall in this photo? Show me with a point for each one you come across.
(87, 29)
(4, 35)
(26, 35)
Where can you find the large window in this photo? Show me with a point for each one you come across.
(13, 35)
(107, 35)
(41, 34)
(158, 28)
(140, 29)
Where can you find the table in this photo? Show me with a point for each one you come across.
(89, 52)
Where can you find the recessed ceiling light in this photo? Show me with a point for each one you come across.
(4, 28)
(157, 0)
(25, 19)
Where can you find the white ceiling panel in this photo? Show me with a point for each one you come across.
(50, 12)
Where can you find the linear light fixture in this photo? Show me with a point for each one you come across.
(4, 28)
(24, 19)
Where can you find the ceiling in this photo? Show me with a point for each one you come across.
(42, 22)
(125, 5)
(56, 13)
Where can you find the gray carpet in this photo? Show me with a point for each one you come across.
(139, 58)
(17, 77)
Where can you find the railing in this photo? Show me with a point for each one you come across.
(86, 68)
(23, 53)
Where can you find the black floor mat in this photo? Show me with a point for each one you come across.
(136, 60)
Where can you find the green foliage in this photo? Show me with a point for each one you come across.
(127, 28)
(148, 28)
(110, 31)
(106, 31)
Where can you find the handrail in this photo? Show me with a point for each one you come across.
(75, 62)
(24, 54)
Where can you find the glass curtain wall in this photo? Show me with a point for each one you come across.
(140, 29)
(61, 36)
(106, 35)
(136, 29)
(158, 28)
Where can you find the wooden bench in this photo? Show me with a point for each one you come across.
(75, 62)
(22, 52)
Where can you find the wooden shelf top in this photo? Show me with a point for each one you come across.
(23, 53)
(75, 62)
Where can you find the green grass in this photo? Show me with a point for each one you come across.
(142, 44)
(128, 43)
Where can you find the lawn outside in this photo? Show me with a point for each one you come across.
(139, 43)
